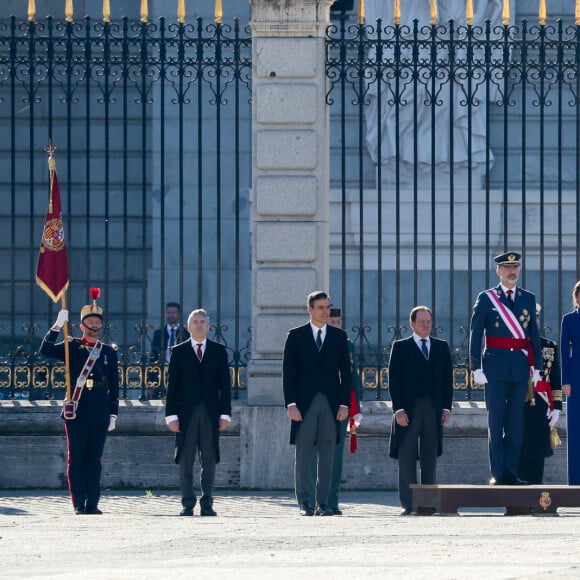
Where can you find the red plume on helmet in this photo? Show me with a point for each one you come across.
(92, 309)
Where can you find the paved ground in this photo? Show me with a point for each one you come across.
(259, 535)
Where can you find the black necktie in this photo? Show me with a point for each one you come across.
(319, 339)
(424, 348)
(510, 298)
(172, 338)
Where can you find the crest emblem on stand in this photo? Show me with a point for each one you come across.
(545, 500)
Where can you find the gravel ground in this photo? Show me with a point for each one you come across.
(260, 535)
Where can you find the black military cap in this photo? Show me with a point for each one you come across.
(335, 312)
(508, 259)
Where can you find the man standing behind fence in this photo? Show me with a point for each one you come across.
(505, 316)
(316, 379)
(198, 407)
(421, 388)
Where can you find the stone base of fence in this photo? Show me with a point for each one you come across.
(255, 450)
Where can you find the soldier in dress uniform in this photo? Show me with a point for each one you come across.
(542, 415)
(504, 324)
(92, 411)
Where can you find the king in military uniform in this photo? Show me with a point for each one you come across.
(504, 324)
(92, 410)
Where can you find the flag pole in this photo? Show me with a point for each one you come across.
(50, 148)
(66, 351)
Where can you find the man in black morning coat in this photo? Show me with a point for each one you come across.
(421, 388)
(198, 407)
(316, 379)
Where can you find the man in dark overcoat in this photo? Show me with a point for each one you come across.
(316, 381)
(421, 388)
(198, 407)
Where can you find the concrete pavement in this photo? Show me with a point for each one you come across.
(260, 535)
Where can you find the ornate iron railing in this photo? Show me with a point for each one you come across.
(152, 125)
(453, 143)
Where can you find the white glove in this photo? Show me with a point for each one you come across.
(536, 377)
(357, 420)
(112, 423)
(479, 377)
(554, 416)
(60, 320)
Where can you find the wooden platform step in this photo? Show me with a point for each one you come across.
(446, 499)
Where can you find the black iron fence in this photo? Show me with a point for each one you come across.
(151, 125)
(450, 144)
(455, 143)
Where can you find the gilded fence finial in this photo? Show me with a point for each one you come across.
(361, 11)
(219, 13)
(505, 14)
(469, 12)
(68, 11)
(397, 12)
(106, 11)
(433, 12)
(32, 10)
(144, 11)
(577, 12)
(181, 11)
(542, 13)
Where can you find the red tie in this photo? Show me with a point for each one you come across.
(199, 353)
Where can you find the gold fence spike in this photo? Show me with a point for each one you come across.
(144, 11)
(69, 11)
(433, 12)
(542, 13)
(106, 11)
(397, 11)
(469, 12)
(219, 13)
(32, 10)
(361, 11)
(505, 15)
(577, 12)
(181, 11)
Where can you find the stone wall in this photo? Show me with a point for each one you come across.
(255, 450)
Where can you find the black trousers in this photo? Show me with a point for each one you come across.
(85, 443)
(316, 434)
(420, 442)
(198, 440)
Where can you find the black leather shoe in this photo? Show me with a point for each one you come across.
(324, 510)
(405, 512)
(514, 480)
(93, 511)
(306, 509)
(186, 511)
(79, 511)
(207, 511)
(336, 512)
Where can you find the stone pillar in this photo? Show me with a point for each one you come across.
(290, 206)
(290, 214)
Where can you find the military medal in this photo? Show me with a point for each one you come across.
(89, 384)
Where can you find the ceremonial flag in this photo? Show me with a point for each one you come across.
(52, 268)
